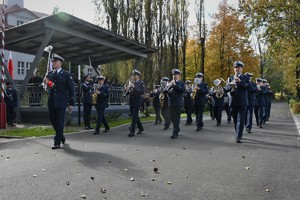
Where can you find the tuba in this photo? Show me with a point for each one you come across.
(218, 89)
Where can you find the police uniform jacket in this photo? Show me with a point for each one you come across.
(200, 98)
(267, 96)
(136, 96)
(240, 94)
(176, 94)
(166, 98)
(87, 91)
(188, 101)
(260, 99)
(156, 101)
(62, 93)
(102, 98)
(10, 97)
(251, 93)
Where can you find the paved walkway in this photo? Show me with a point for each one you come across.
(198, 165)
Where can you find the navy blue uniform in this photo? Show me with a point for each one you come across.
(268, 107)
(165, 110)
(135, 102)
(61, 95)
(239, 103)
(10, 98)
(260, 106)
(267, 102)
(175, 93)
(250, 108)
(200, 101)
(102, 103)
(87, 91)
(218, 106)
(156, 106)
(188, 105)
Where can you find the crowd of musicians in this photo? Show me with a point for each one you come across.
(239, 96)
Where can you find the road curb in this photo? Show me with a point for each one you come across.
(296, 118)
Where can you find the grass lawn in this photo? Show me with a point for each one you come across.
(39, 131)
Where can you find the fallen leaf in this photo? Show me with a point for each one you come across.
(178, 154)
(169, 183)
(184, 148)
(109, 161)
(83, 196)
(132, 179)
(247, 168)
(93, 177)
(34, 175)
(67, 182)
(143, 194)
(267, 190)
(243, 157)
(156, 170)
(186, 176)
(152, 160)
(153, 179)
(103, 190)
(125, 169)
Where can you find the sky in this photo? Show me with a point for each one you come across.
(85, 9)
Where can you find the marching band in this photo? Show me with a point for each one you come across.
(238, 96)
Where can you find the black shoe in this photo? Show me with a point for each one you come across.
(56, 146)
(63, 140)
(106, 130)
(218, 124)
(90, 127)
(166, 128)
(130, 134)
(140, 131)
(174, 136)
(249, 131)
(260, 126)
(238, 141)
(187, 124)
(86, 128)
(96, 133)
(198, 129)
(228, 122)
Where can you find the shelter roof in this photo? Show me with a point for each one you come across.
(74, 39)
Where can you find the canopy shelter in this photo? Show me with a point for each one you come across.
(74, 39)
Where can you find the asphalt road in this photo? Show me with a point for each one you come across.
(198, 165)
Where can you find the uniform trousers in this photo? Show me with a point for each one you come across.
(199, 114)
(157, 114)
(135, 121)
(10, 114)
(259, 114)
(238, 115)
(57, 118)
(101, 119)
(165, 111)
(188, 111)
(87, 108)
(249, 117)
(175, 112)
(218, 113)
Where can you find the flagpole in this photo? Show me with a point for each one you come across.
(2, 104)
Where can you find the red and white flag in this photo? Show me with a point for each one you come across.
(10, 65)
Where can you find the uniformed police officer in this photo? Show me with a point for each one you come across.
(268, 107)
(87, 91)
(267, 101)
(201, 89)
(10, 98)
(61, 95)
(252, 89)
(260, 102)
(136, 92)
(239, 102)
(175, 92)
(188, 102)
(156, 104)
(102, 103)
(164, 102)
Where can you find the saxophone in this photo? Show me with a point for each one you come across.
(95, 95)
(197, 81)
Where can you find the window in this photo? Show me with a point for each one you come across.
(28, 64)
(21, 68)
(19, 22)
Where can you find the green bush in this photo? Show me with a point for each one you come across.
(296, 108)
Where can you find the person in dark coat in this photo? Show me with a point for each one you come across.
(239, 84)
(11, 101)
(102, 103)
(251, 103)
(164, 102)
(87, 92)
(135, 91)
(218, 93)
(61, 95)
(188, 102)
(201, 89)
(260, 103)
(175, 92)
(156, 104)
(267, 101)
(271, 95)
